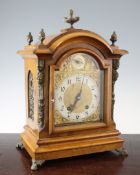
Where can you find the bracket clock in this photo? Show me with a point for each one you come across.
(69, 82)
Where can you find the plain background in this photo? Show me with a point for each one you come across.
(18, 17)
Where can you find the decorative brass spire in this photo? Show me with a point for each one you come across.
(41, 36)
(29, 38)
(71, 19)
(113, 38)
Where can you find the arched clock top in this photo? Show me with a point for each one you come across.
(84, 38)
(78, 35)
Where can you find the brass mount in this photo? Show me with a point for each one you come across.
(71, 19)
(29, 38)
(113, 38)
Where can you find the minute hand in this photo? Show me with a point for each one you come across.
(78, 96)
(83, 78)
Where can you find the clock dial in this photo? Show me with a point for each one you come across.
(78, 97)
(78, 90)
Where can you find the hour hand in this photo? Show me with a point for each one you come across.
(72, 106)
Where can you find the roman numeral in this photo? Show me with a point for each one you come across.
(69, 81)
(62, 89)
(77, 116)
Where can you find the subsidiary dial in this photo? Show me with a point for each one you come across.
(78, 61)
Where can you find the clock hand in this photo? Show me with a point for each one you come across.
(80, 92)
(77, 98)
(83, 78)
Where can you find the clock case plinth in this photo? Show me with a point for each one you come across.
(41, 139)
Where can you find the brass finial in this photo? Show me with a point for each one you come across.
(113, 38)
(41, 36)
(71, 19)
(29, 38)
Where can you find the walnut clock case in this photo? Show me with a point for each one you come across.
(69, 82)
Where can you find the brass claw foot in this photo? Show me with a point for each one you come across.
(36, 164)
(122, 151)
(20, 145)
